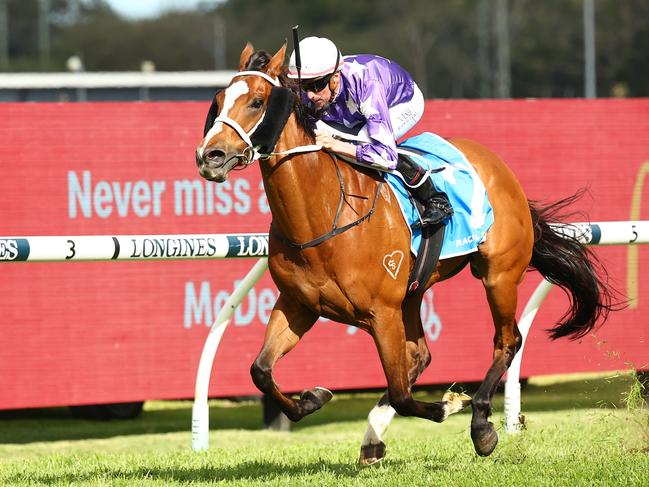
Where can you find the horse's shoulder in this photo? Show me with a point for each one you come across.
(363, 174)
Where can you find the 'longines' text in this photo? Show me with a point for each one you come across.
(151, 248)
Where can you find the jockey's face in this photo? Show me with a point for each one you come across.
(321, 91)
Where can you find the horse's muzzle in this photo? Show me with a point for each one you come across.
(212, 164)
(216, 175)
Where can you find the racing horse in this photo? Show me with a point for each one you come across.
(333, 227)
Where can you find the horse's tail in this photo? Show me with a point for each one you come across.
(566, 262)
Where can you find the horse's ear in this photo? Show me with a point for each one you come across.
(245, 56)
(276, 63)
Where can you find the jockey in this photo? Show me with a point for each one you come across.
(378, 97)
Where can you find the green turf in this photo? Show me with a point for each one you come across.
(578, 433)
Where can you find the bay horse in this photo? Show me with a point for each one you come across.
(327, 248)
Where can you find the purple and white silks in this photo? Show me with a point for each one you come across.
(381, 97)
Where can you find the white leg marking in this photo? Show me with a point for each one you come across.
(378, 422)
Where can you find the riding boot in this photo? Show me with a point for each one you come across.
(437, 207)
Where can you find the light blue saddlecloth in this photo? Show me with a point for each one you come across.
(473, 213)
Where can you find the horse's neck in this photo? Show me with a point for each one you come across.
(303, 190)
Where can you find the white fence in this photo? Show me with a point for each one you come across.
(120, 79)
(222, 246)
(132, 247)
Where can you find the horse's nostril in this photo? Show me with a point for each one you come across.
(214, 155)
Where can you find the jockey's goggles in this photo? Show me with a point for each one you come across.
(316, 85)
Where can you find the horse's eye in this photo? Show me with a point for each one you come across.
(257, 103)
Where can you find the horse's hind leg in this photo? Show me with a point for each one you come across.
(289, 321)
(501, 288)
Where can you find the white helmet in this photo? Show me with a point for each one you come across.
(319, 57)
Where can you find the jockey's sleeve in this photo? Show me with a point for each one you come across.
(382, 150)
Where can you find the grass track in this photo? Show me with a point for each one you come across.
(578, 433)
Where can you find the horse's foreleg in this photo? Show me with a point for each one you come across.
(380, 417)
(398, 365)
(378, 421)
(502, 297)
(289, 321)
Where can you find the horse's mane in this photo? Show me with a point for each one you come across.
(305, 115)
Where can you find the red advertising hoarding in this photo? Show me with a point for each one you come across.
(99, 332)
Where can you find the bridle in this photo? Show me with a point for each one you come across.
(251, 152)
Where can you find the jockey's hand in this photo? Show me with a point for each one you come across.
(329, 142)
(325, 139)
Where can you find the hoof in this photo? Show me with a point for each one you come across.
(371, 454)
(484, 439)
(319, 396)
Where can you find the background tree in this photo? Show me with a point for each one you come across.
(448, 45)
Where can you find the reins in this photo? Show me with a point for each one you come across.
(250, 154)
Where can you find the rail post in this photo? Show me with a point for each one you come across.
(600, 233)
(200, 409)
